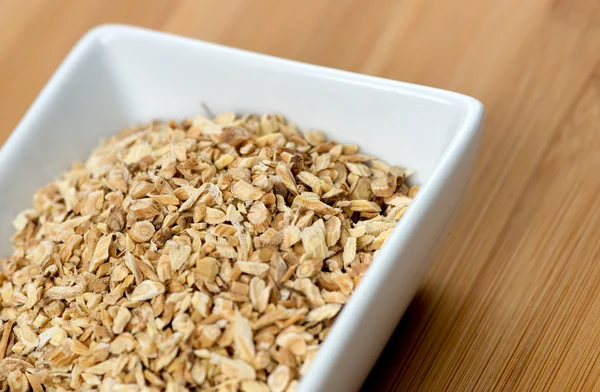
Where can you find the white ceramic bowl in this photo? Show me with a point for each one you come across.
(117, 75)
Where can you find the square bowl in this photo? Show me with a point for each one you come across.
(118, 75)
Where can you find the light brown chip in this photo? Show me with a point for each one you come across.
(166, 199)
(245, 191)
(271, 237)
(198, 373)
(125, 342)
(359, 169)
(100, 252)
(8, 365)
(140, 189)
(252, 267)
(287, 178)
(311, 180)
(179, 254)
(193, 196)
(311, 201)
(121, 319)
(224, 230)
(223, 161)
(291, 235)
(202, 302)
(292, 341)
(66, 292)
(243, 338)
(332, 230)
(144, 209)
(413, 190)
(148, 289)
(207, 268)
(35, 381)
(93, 203)
(310, 290)
(315, 137)
(259, 294)
(103, 367)
(259, 216)
(279, 379)
(142, 231)
(309, 268)
(360, 205)
(237, 369)
(116, 219)
(334, 297)
(5, 336)
(344, 282)
(17, 381)
(380, 239)
(214, 216)
(27, 335)
(349, 251)
(313, 240)
(323, 313)
(254, 386)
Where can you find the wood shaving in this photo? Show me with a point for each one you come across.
(207, 254)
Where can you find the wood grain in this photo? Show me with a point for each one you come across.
(513, 300)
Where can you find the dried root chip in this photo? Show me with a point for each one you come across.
(144, 209)
(279, 379)
(100, 252)
(254, 386)
(311, 180)
(313, 240)
(147, 290)
(223, 161)
(333, 230)
(323, 313)
(214, 216)
(207, 268)
(287, 178)
(291, 235)
(384, 186)
(116, 219)
(245, 191)
(252, 267)
(349, 251)
(179, 254)
(237, 369)
(311, 201)
(208, 254)
(142, 231)
(243, 338)
(259, 216)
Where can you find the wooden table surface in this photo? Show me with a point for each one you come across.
(513, 300)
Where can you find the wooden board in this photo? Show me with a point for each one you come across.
(513, 300)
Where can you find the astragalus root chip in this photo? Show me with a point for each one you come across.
(202, 255)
